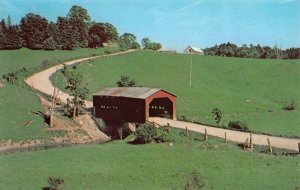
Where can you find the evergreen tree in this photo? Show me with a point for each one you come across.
(8, 21)
(13, 38)
(3, 32)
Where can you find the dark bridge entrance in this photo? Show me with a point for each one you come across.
(161, 107)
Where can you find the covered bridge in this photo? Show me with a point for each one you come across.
(133, 104)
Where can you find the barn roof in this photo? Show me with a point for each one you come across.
(129, 92)
(196, 49)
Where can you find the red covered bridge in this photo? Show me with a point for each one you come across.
(133, 104)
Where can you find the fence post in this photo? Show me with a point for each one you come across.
(206, 136)
(251, 141)
(270, 147)
(225, 137)
(246, 143)
(186, 131)
(299, 146)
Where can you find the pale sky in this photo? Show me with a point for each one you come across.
(179, 23)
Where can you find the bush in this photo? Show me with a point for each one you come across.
(238, 125)
(146, 133)
(126, 81)
(217, 114)
(291, 106)
(194, 181)
(55, 183)
(10, 78)
(107, 52)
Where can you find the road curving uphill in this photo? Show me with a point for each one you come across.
(41, 80)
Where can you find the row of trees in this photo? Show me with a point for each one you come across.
(252, 51)
(147, 44)
(67, 33)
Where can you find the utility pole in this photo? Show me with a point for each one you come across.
(191, 65)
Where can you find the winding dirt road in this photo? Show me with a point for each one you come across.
(41, 81)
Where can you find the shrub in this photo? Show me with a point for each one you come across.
(46, 63)
(194, 181)
(55, 183)
(238, 125)
(145, 133)
(217, 114)
(10, 78)
(163, 134)
(183, 118)
(107, 52)
(126, 81)
(290, 106)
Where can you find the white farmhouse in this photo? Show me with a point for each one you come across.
(193, 50)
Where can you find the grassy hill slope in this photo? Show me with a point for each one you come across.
(249, 90)
(17, 102)
(119, 165)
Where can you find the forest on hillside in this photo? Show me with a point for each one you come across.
(75, 30)
(252, 51)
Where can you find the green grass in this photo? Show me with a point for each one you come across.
(250, 90)
(119, 165)
(17, 105)
(17, 102)
(12, 60)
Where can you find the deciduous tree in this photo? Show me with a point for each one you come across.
(34, 31)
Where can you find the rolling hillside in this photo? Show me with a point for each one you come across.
(249, 90)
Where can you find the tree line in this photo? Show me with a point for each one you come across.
(252, 51)
(75, 30)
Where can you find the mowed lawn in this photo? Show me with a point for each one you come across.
(250, 90)
(16, 102)
(119, 165)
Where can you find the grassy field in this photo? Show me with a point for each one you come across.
(119, 165)
(250, 90)
(17, 102)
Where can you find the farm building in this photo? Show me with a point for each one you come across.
(193, 50)
(133, 104)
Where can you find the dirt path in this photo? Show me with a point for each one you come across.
(235, 136)
(41, 81)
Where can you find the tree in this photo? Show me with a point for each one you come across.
(217, 114)
(3, 32)
(8, 22)
(34, 31)
(53, 102)
(125, 81)
(128, 41)
(78, 19)
(78, 90)
(66, 36)
(100, 33)
(147, 44)
(13, 38)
